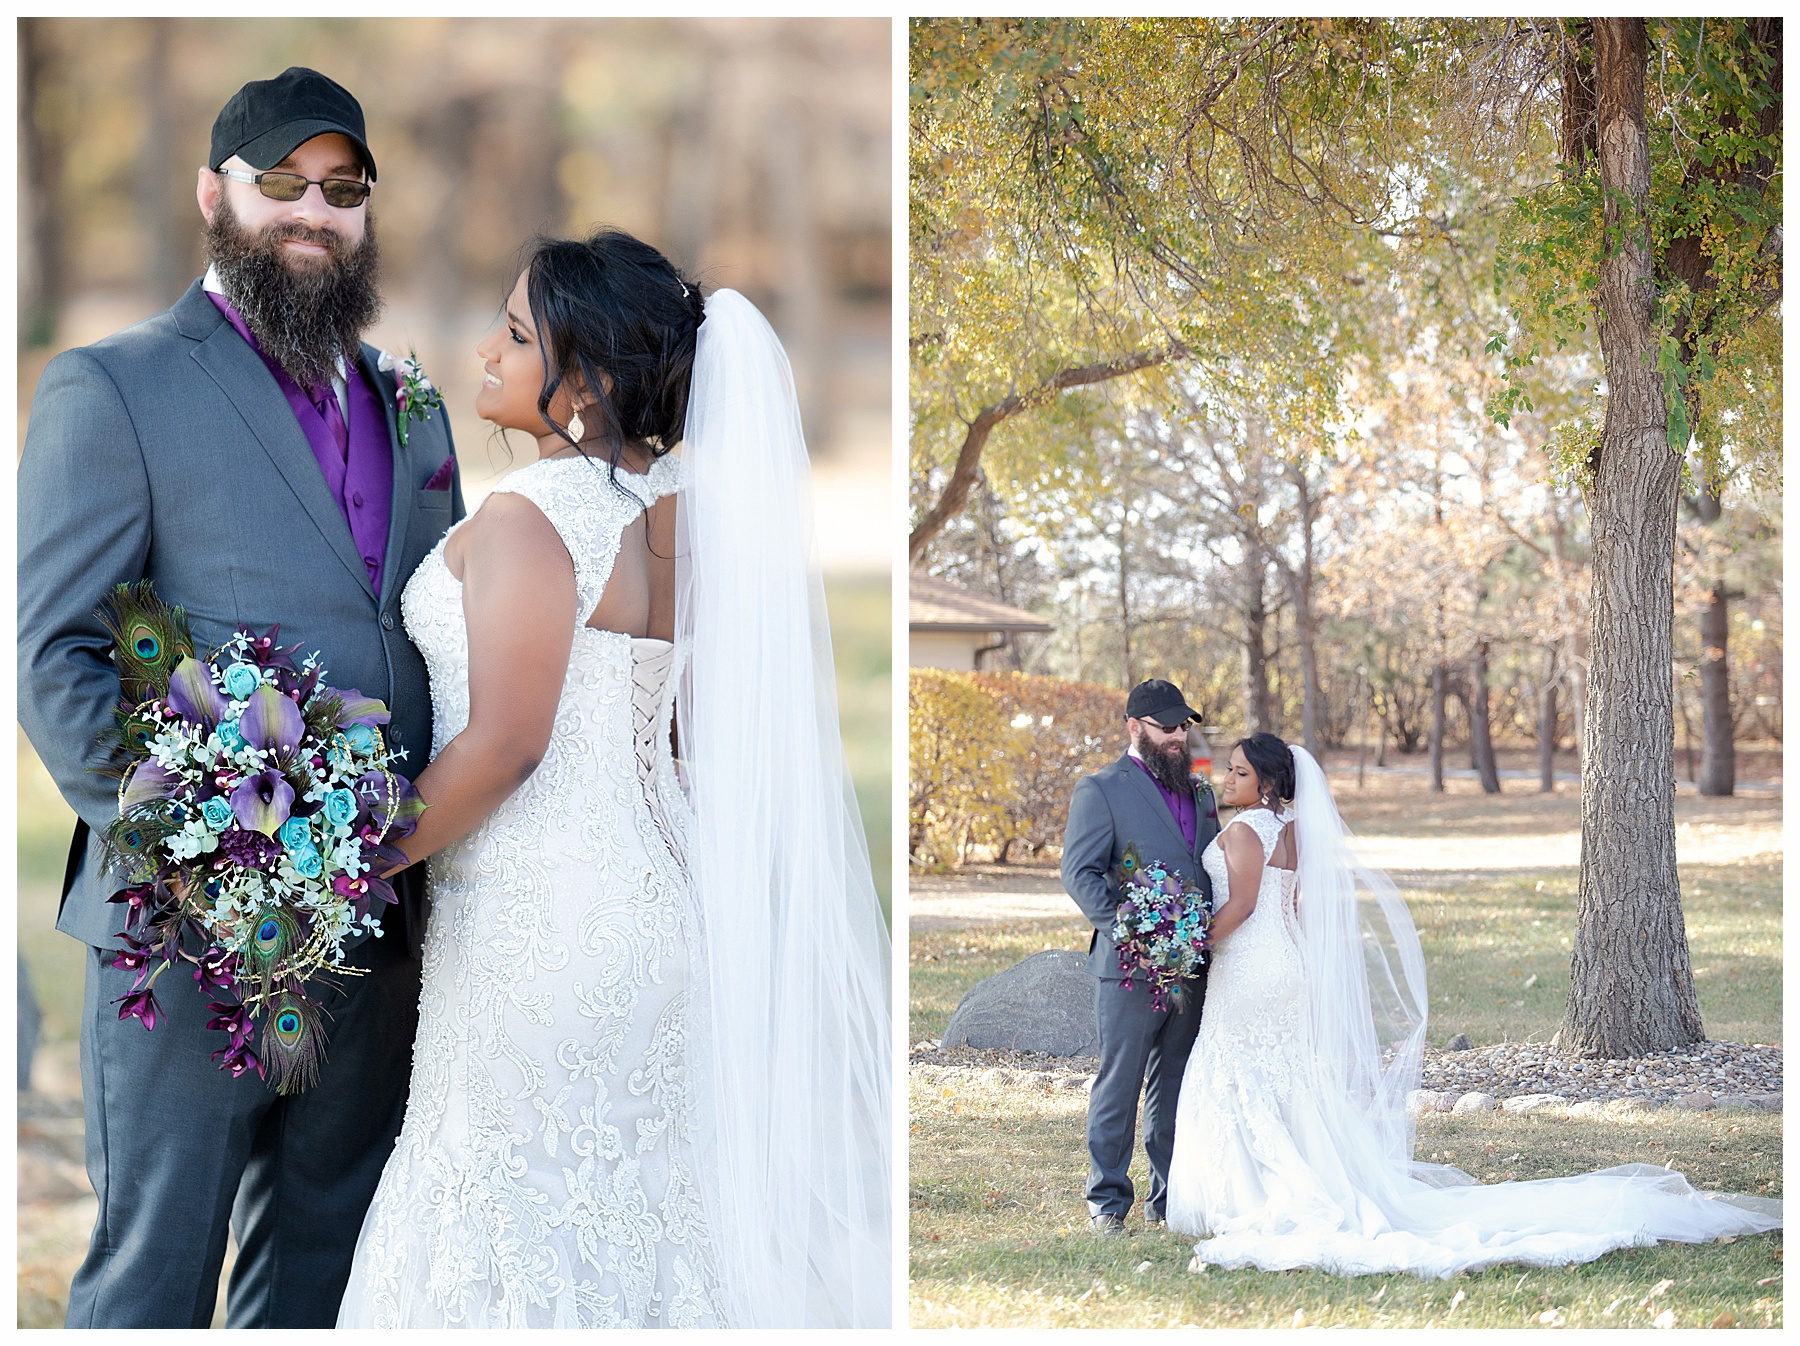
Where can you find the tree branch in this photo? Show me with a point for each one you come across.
(968, 462)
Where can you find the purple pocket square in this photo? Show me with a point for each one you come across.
(440, 480)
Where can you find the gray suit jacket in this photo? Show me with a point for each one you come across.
(167, 452)
(1109, 810)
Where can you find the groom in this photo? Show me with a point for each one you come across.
(241, 450)
(1147, 797)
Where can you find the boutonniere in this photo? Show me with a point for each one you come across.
(414, 398)
(1203, 792)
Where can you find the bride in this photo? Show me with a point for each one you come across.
(650, 1082)
(1292, 1142)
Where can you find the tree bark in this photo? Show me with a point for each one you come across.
(1631, 985)
(1125, 588)
(1481, 736)
(1256, 642)
(165, 270)
(43, 262)
(1547, 724)
(1439, 692)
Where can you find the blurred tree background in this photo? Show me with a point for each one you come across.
(756, 153)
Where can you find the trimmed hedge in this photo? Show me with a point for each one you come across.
(994, 757)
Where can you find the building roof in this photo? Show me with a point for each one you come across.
(937, 605)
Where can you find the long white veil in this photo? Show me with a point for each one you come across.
(1365, 974)
(796, 1096)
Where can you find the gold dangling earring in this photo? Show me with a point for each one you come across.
(576, 428)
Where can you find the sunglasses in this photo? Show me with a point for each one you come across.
(341, 193)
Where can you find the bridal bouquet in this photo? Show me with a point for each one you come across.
(1160, 928)
(255, 806)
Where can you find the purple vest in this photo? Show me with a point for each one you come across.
(363, 486)
(1186, 816)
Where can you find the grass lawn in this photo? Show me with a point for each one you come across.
(998, 1226)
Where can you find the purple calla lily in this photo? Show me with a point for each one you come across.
(151, 781)
(271, 721)
(360, 709)
(192, 694)
(263, 802)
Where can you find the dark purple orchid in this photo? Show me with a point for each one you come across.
(237, 1058)
(139, 1005)
(272, 722)
(263, 802)
(216, 970)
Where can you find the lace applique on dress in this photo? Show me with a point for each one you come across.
(546, 1174)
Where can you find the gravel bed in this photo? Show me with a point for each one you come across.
(1515, 1076)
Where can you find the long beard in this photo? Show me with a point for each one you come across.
(304, 319)
(1168, 764)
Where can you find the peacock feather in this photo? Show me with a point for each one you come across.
(1131, 864)
(131, 842)
(149, 638)
(294, 1042)
(274, 934)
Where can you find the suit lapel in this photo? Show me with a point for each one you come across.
(400, 503)
(1139, 781)
(242, 376)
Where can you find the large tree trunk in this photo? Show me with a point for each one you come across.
(43, 275)
(1312, 695)
(1439, 691)
(167, 227)
(1631, 985)
(1718, 754)
(1547, 724)
(1256, 642)
(1481, 738)
(1125, 588)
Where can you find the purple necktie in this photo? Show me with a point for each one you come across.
(324, 397)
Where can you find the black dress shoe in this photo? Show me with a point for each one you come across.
(1155, 1219)
(1105, 1224)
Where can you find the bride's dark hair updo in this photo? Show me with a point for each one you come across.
(1273, 764)
(614, 315)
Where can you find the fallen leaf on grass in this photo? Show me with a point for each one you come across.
(1664, 1319)
(1767, 1280)
(1724, 1320)
(1299, 1317)
(1608, 1311)
(1457, 1299)
(1660, 1288)
(1142, 1267)
(1726, 1238)
(1551, 1318)
(1196, 1266)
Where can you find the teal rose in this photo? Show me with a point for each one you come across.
(242, 679)
(295, 834)
(308, 863)
(217, 812)
(360, 737)
(231, 738)
(340, 807)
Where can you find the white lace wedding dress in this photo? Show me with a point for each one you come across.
(1276, 1168)
(547, 1172)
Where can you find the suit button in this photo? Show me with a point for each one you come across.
(387, 621)
(356, 499)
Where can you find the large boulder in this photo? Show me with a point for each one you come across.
(1044, 1004)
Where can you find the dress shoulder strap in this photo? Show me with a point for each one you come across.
(1266, 826)
(587, 512)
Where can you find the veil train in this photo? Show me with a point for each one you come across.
(796, 1087)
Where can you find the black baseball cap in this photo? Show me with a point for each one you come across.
(268, 119)
(1161, 702)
